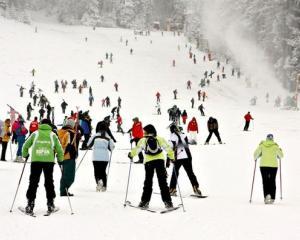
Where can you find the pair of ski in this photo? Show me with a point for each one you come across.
(48, 213)
(128, 203)
(191, 195)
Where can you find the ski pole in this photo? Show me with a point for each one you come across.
(11, 154)
(81, 160)
(108, 168)
(13, 203)
(128, 183)
(174, 171)
(280, 178)
(253, 181)
(67, 191)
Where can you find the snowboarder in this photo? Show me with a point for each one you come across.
(193, 130)
(102, 151)
(184, 116)
(247, 118)
(153, 147)
(183, 157)
(193, 102)
(64, 106)
(213, 127)
(29, 110)
(268, 151)
(137, 134)
(201, 108)
(44, 144)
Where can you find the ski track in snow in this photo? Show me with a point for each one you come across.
(223, 171)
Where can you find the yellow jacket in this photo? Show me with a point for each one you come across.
(6, 132)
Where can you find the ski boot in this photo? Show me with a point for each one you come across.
(168, 204)
(99, 186)
(50, 205)
(29, 207)
(143, 205)
(197, 191)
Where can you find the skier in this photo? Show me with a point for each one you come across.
(103, 102)
(213, 127)
(119, 124)
(193, 130)
(100, 63)
(44, 144)
(74, 83)
(131, 51)
(21, 132)
(137, 134)
(102, 145)
(42, 112)
(194, 59)
(91, 100)
(218, 78)
(218, 64)
(106, 56)
(90, 90)
(107, 101)
(205, 74)
(193, 102)
(113, 112)
(33, 72)
(5, 137)
(247, 118)
(189, 85)
(86, 126)
(84, 83)
(183, 157)
(80, 89)
(31, 91)
(29, 110)
(204, 96)
(175, 93)
(106, 121)
(268, 151)
(211, 74)
(199, 95)
(153, 147)
(34, 125)
(232, 72)
(201, 108)
(111, 58)
(173, 63)
(35, 97)
(21, 91)
(278, 101)
(69, 140)
(49, 109)
(157, 97)
(64, 106)
(102, 78)
(56, 86)
(119, 102)
(116, 86)
(184, 117)
(253, 101)
(158, 110)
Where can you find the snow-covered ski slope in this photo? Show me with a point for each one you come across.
(223, 171)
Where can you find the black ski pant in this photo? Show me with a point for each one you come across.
(159, 167)
(100, 171)
(187, 165)
(85, 141)
(141, 156)
(68, 175)
(247, 123)
(36, 169)
(269, 180)
(216, 132)
(4, 147)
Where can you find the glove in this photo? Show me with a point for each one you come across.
(129, 156)
(26, 158)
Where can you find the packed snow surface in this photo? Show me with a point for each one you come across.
(224, 171)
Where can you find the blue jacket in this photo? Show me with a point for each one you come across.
(85, 126)
(101, 147)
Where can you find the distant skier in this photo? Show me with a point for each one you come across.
(204, 96)
(35, 97)
(56, 86)
(253, 101)
(268, 151)
(131, 51)
(199, 95)
(173, 63)
(184, 116)
(247, 118)
(175, 93)
(113, 112)
(84, 83)
(193, 102)
(33, 72)
(137, 134)
(119, 124)
(194, 59)
(119, 102)
(102, 78)
(267, 97)
(80, 89)
(278, 101)
(29, 110)
(74, 83)
(100, 63)
(193, 130)
(107, 101)
(116, 86)
(189, 84)
(49, 110)
(21, 91)
(158, 110)
(91, 100)
(111, 58)
(64, 106)
(213, 128)
(201, 109)
(157, 97)
(42, 112)
(211, 74)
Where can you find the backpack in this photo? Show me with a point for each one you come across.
(152, 146)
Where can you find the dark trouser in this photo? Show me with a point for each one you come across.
(269, 180)
(216, 132)
(141, 156)
(159, 167)
(100, 171)
(247, 123)
(68, 175)
(4, 147)
(187, 165)
(120, 129)
(35, 174)
(85, 141)
(202, 113)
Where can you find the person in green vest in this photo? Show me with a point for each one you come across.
(269, 152)
(44, 145)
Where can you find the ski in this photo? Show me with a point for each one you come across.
(22, 209)
(198, 196)
(203, 144)
(170, 209)
(119, 162)
(48, 213)
(128, 203)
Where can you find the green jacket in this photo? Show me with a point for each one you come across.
(44, 145)
(160, 156)
(268, 151)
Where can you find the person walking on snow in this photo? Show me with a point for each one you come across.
(175, 93)
(29, 110)
(247, 118)
(102, 151)
(157, 97)
(213, 128)
(193, 130)
(116, 86)
(201, 108)
(173, 63)
(183, 157)
(137, 134)
(184, 116)
(153, 147)
(21, 91)
(5, 137)
(193, 102)
(34, 125)
(119, 124)
(189, 84)
(269, 152)
(199, 95)
(45, 145)
(204, 96)
(42, 112)
(91, 100)
(64, 106)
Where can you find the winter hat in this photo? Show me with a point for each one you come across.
(270, 136)
(69, 122)
(150, 129)
(46, 121)
(136, 119)
(107, 119)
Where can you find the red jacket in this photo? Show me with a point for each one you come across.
(193, 126)
(119, 120)
(137, 130)
(34, 125)
(248, 117)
